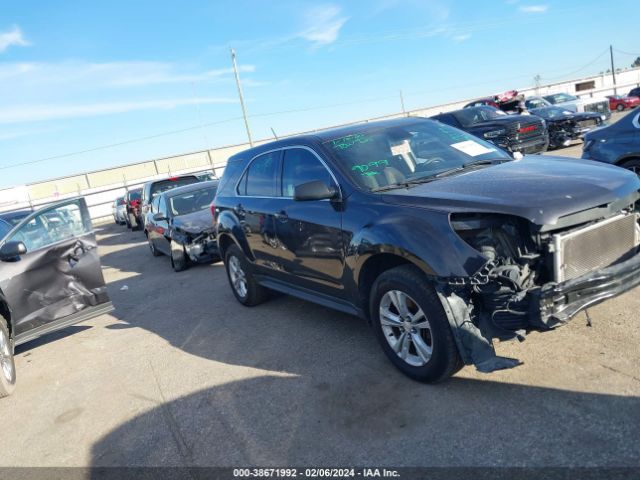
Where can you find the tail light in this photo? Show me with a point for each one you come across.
(135, 203)
(529, 128)
(213, 210)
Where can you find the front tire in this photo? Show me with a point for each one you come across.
(412, 326)
(179, 260)
(243, 285)
(633, 165)
(620, 107)
(7, 364)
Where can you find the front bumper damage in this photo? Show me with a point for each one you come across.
(549, 306)
(558, 303)
(202, 247)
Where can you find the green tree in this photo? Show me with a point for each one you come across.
(636, 63)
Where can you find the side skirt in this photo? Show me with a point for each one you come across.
(81, 316)
(310, 296)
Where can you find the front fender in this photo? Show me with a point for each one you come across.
(423, 237)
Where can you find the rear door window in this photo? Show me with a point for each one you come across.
(260, 177)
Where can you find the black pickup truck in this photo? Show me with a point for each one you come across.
(513, 133)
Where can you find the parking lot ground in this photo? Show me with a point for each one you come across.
(180, 374)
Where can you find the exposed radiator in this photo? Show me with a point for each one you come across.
(594, 247)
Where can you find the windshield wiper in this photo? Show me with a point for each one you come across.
(472, 164)
(407, 184)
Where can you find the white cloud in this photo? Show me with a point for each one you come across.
(12, 37)
(323, 24)
(461, 38)
(113, 74)
(34, 113)
(534, 8)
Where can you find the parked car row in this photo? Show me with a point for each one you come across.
(440, 239)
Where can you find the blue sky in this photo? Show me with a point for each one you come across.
(76, 75)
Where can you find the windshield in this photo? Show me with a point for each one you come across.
(193, 201)
(560, 97)
(551, 112)
(135, 195)
(409, 153)
(536, 103)
(473, 115)
(171, 183)
(4, 228)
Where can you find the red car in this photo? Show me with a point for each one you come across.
(133, 217)
(619, 103)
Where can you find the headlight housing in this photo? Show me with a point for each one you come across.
(494, 133)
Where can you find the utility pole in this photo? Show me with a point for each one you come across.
(402, 103)
(613, 71)
(244, 110)
(537, 80)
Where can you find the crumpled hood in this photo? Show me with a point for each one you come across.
(538, 188)
(194, 223)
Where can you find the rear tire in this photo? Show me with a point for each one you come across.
(632, 164)
(243, 285)
(412, 326)
(620, 107)
(152, 247)
(7, 364)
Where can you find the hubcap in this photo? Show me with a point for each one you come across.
(5, 357)
(406, 328)
(238, 277)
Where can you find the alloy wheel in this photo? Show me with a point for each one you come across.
(238, 277)
(406, 328)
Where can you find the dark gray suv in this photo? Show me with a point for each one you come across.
(439, 239)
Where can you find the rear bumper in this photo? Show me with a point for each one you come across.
(558, 303)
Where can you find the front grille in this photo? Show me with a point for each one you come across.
(525, 130)
(599, 107)
(587, 123)
(594, 247)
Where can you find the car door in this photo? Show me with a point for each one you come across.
(58, 281)
(309, 233)
(161, 227)
(257, 204)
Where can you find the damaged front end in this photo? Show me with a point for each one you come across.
(199, 247)
(537, 277)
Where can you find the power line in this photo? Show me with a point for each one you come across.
(111, 145)
(626, 53)
(187, 129)
(606, 50)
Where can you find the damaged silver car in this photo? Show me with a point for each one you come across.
(50, 278)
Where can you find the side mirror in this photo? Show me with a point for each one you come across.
(316, 190)
(11, 251)
(159, 217)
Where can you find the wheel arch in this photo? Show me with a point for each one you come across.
(626, 158)
(372, 268)
(5, 311)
